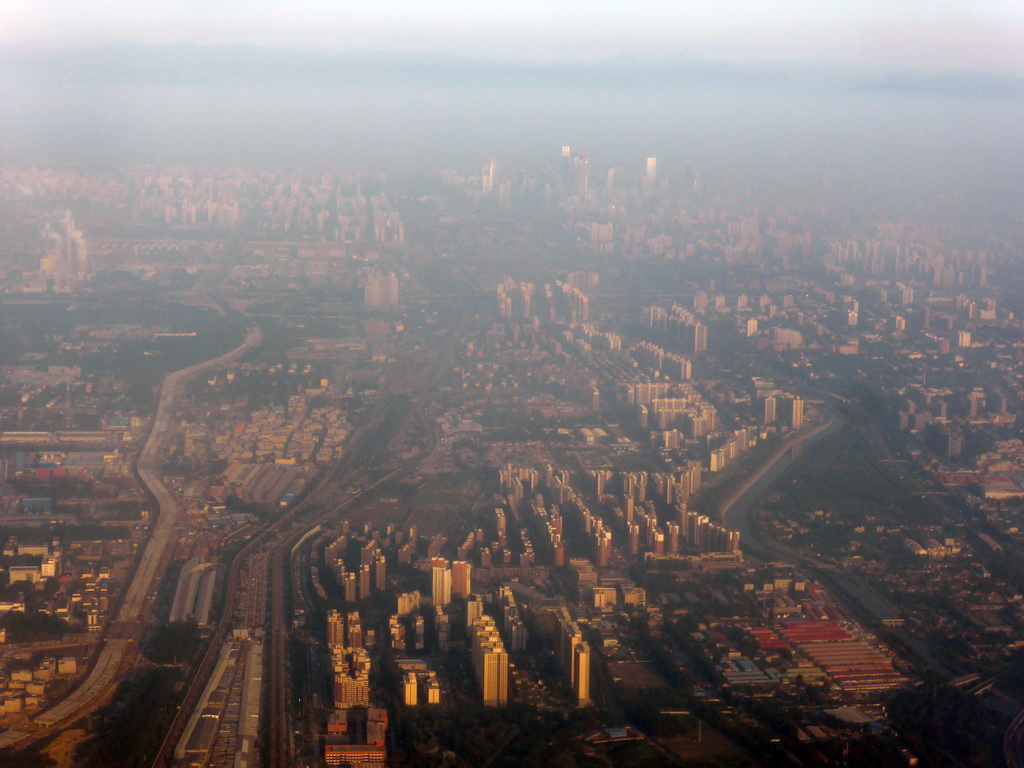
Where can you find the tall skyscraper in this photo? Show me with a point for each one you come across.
(581, 673)
(365, 582)
(353, 630)
(490, 662)
(351, 585)
(474, 609)
(77, 256)
(574, 655)
(700, 338)
(650, 173)
(410, 688)
(461, 578)
(68, 263)
(797, 412)
(441, 582)
(604, 548)
(487, 177)
(583, 176)
(335, 629)
(566, 167)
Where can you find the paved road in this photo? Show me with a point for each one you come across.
(148, 464)
(102, 675)
(733, 511)
(1013, 743)
(122, 633)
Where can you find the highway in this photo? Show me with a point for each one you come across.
(270, 550)
(733, 514)
(148, 468)
(102, 675)
(859, 595)
(1013, 743)
(117, 648)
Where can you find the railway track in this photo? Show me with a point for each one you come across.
(417, 375)
(117, 648)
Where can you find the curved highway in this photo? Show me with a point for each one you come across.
(733, 511)
(148, 463)
(118, 642)
(1013, 743)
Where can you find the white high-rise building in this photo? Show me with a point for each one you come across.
(487, 178)
(650, 172)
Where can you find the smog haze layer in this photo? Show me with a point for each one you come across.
(878, 133)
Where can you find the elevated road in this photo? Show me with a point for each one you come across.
(1013, 743)
(148, 464)
(103, 674)
(117, 647)
(733, 511)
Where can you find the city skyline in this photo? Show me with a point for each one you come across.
(590, 385)
(498, 444)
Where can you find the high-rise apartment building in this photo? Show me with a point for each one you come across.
(353, 630)
(351, 678)
(365, 582)
(335, 629)
(796, 413)
(474, 609)
(351, 587)
(581, 673)
(700, 338)
(461, 579)
(574, 655)
(490, 662)
(441, 582)
(408, 602)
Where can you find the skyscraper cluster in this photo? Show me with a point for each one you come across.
(67, 260)
(350, 662)
(576, 172)
(679, 325)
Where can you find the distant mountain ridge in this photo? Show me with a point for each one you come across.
(197, 64)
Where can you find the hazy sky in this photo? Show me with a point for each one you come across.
(962, 34)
